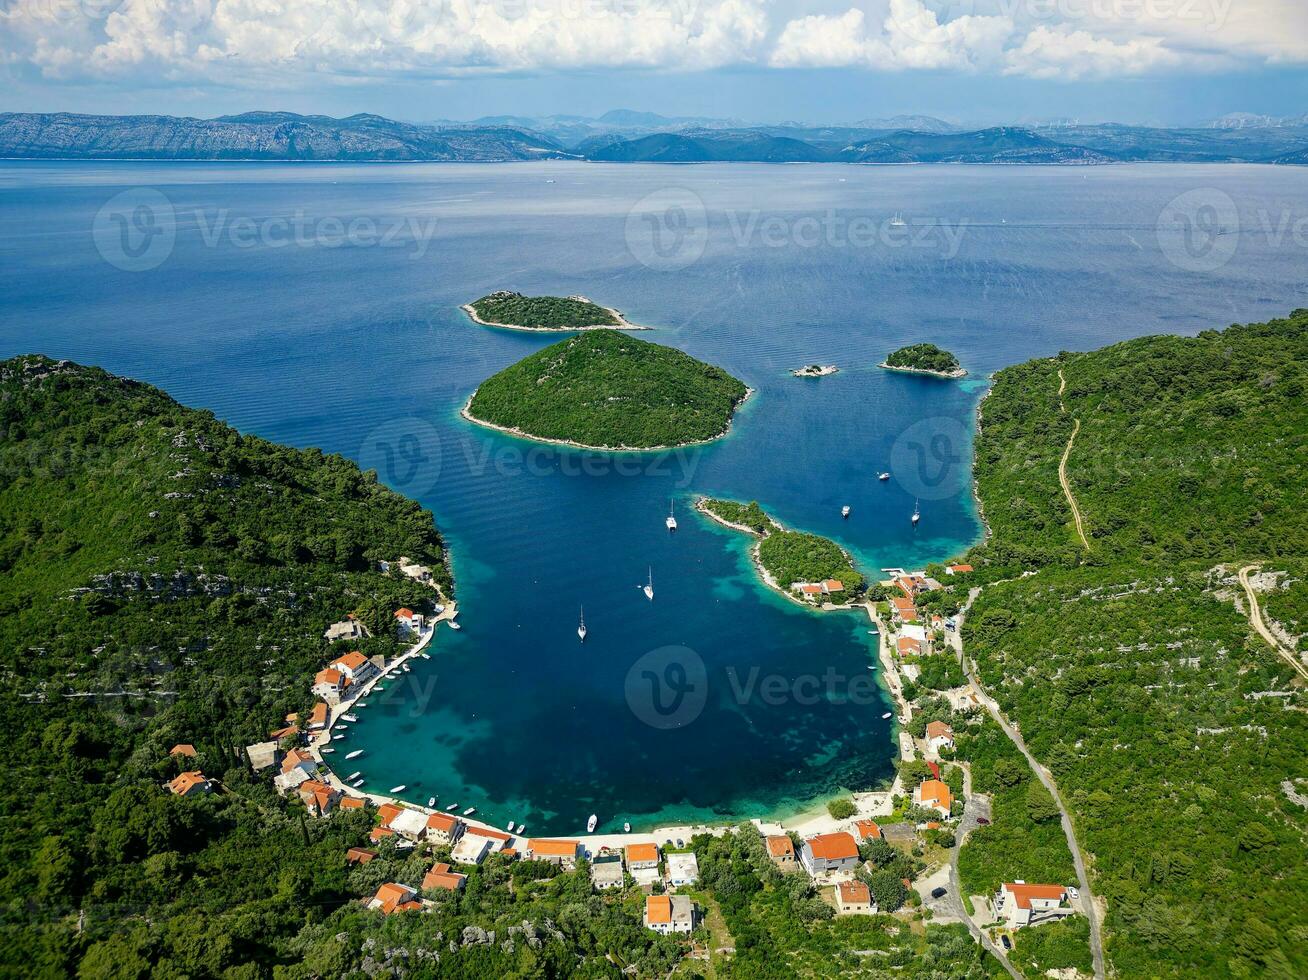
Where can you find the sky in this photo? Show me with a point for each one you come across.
(1158, 62)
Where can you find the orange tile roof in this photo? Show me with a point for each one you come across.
(489, 834)
(509, 852)
(905, 607)
(868, 829)
(780, 846)
(351, 803)
(186, 782)
(552, 848)
(642, 852)
(391, 895)
(1023, 893)
(933, 825)
(908, 645)
(284, 732)
(328, 675)
(292, 717)
(810, 589)
(936, 728)
(388, 812)
(658, 909)
(351, 661)
(404, 612)
(359, 855)
(833, 847)
(834, 585)
(294, 758)
(183, 748)
(934, 791)
(443, 822)
(960, 568)
(318, 717)
(440, 876)
(854, 893)
(380, 833)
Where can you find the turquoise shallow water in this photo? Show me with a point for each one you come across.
(718, 699)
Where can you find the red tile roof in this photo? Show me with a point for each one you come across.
(908, 646)
(284, 732)
(834, 585)
(642, 852)
(780, 846)
(960, 568)
(329, 675)
(854, 893)
(868, 829)
(404, 613)
(442, 822)
(544, 847)
(351, 661)
(318, 717)
(1023, 893)
(938, 728)
(186, 782)
(359, 855)
(380, 833)
(394, 898)
(833, 847)
(440, 876)
(183, 748)
(350, 803)
(388, 812)
(934, 791)
(658, 909)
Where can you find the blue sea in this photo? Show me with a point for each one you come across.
(317, 305)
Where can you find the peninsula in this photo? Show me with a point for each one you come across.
(805, 568)
(924, 359)
(604, 390)
(514, 311)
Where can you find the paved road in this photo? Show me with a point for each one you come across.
(1087, 900)
(1256, 620)
(1062, 466)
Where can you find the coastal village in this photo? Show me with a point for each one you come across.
(890, 852)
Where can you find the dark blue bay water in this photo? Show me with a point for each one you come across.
(359, 346)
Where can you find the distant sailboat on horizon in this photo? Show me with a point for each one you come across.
(897, 221)
(648, 587)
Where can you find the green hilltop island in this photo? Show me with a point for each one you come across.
(924, 359)
(514, 311)
(605, 390)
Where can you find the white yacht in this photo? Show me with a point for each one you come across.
(454, 625)
(581, 626)
(328, 749)
(355, 754)
(844, 511)
(626, 828)
(883, 476)
(671, 522)
(357, 783)
(353, 776)
(451, 808)
(648, 587)
(350, 717)
(431, 802)
(470, 811)
(886, 715)
(337, 738)
(425, 655)
(917, 513)
(510, 827)
(590, 824)
(398, 789)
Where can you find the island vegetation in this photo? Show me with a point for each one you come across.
(1174, 731)
(605, 390)
(546, 313)
(924, 359)
(815, 370)
(784, 557)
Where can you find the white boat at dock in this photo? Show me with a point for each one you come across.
(509, 828)
(355, 754)
(522, 829)
(398, 789)
(328, 749)
(431, 803)
(406, 668)
(451, 808)
(590, 824)
(626, 828)
(425, 655)
(454, 625)
(357, 783)
(353, 776)
(470, 811)
(350, 717)
(337, 738)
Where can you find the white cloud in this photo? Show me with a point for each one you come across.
(1048, 53)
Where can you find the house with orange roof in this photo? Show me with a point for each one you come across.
(1019, 904)
(318, 717)
(443, 828)
(815, 590)
(286, 732)
(441, 878)
(394, 897)
(388, 812)
(643, 862)
(359, 855)
(905, 609)
(341, 679)
(934, 794)
(350, 803)
(781, 851)
(855, 898)
(183, 749)
(957, 569)
(409, 621)
(829, 854)
(907, 646)
(297, 766)
(669, 914)
(865, 830)
(564, 853)
(378, 834)
(189, 784)
(318, 798)
(330, 684)
(939, 735)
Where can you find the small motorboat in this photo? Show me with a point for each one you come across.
(470, 811)
(522, 829)
(454, 625)
(379, 688)
(355, 754)
(883, 477)
(398, 789)
(361, 704)
(337, 738)
(349, 717)
(509, 828)
(328, 749)
(407, 668)
(431, 802)
(353, 776)
(425, 656)
(342, 728)
(844, 511)
(357, 783)
(590, 824)
(451, 808)
(886, 715)
(626, 828)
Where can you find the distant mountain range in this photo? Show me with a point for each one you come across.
(625, 136)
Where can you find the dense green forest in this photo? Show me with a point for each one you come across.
(541, 312)
(606, 389)
(792, 556)
(924, 357)
(1171, 728)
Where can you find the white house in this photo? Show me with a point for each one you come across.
(606, 873)
(829, 853)
(643, 863)
(939, 736)
(442, 828)
(409, 621)
(855, 898)
(1020, 904)
(683, 869)
(936, 795)
(347, 629)
(669, 914)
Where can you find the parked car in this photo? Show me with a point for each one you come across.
(1008, 943)
(982, 821)
(938, 893)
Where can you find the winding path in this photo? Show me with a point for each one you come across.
(1256, 621)
(1087, 899)
(1062, 465)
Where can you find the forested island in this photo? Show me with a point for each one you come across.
(606, 390)
(924, 359)
(514, 311)
(787, 560)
